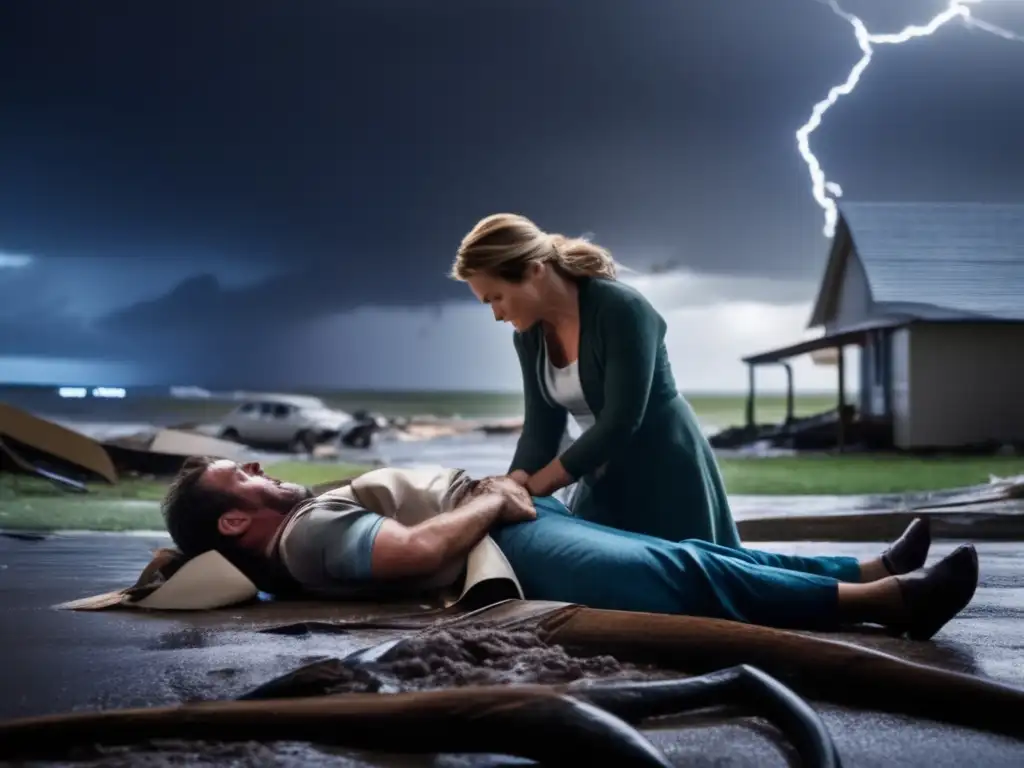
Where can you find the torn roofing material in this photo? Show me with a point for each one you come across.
(53, 443)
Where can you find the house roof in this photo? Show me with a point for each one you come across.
(934, 260)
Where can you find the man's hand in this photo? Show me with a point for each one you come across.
(515, 510)
(517, 504)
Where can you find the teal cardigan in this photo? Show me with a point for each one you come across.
(644, 465)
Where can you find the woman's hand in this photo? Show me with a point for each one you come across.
(519, 476)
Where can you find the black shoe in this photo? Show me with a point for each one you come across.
(909, 551)
(932, 596)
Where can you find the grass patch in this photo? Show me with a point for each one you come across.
(830, 474)
(81, 513)
(31, 504)
(731, 410)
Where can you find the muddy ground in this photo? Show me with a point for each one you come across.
(57, 661)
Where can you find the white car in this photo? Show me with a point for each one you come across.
(297, 422)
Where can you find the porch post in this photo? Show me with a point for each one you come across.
(789, 392)
(841, 367)
(750, 396)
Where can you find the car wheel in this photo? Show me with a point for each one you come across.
(302, 443)
(230, 434)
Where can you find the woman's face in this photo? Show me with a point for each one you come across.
(515, 303)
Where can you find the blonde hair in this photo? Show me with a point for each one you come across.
(505, 244)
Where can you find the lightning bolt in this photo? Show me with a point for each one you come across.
(825, 192)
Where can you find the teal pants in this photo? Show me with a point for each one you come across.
(563, 558)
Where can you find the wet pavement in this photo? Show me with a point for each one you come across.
(57, 661)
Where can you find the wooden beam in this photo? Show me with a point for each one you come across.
(789, 393)
(750, 396)
(841, 367)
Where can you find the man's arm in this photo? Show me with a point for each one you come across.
(400, 552)
(365, 546)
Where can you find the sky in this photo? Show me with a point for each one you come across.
(192, 193)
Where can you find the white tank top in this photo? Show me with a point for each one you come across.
(565, 388)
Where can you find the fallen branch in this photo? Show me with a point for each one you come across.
(532, 722)
(819, 668)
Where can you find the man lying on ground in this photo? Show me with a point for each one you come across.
(400, 532)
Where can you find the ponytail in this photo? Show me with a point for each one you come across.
(579, 257)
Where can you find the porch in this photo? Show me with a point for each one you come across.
(837, 428)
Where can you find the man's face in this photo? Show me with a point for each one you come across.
(247, 482)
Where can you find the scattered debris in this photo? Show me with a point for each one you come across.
(31, 445)
(22, 536)
(161, 452)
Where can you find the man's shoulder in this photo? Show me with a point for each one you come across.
(326, 547)
(308, 520)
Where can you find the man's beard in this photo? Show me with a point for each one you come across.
(288, 497)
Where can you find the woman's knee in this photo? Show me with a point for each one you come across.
(693, 551)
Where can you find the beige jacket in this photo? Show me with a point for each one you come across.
(410, 497)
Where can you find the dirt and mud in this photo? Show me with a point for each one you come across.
(453, 658)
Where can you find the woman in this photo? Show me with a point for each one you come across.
(594, 347)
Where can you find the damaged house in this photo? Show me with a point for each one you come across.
(931, 297)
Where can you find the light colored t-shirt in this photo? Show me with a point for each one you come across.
(326, 544)
(329, 545)
(348, 550)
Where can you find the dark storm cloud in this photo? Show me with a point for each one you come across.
(293, 298)
(336, 151)
(333, 132)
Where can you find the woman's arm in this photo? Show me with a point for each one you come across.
(543, 425)
(631, 331)
(549, 479)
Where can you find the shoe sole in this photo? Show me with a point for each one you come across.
(929, 630)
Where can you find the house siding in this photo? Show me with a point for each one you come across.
(853, 305)
(958, 384)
